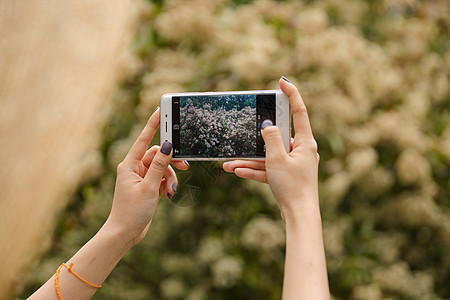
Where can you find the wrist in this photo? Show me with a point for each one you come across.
(300, 209)
(117, 234)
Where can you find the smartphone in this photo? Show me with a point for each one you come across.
(222, 125)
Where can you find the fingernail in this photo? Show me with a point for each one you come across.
(285, 79)
(186, 163)
(266, 123)
(166, 148)
(174, 187)
(155, 110)
(169, 195)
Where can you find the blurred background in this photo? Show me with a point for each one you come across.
(78, 81)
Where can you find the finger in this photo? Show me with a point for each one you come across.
(302, 126)
(162, 187)
(167, 187)
(180, 165)
(274, 143)
(168, 192)
(258, 175)
(140, 146)
(229, 166)
(171, 182)
(148, 157)
(169, 178)
(291, 144)
(159, 165)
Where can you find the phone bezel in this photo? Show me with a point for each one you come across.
(283, 119)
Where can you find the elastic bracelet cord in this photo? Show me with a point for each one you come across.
(69, 268)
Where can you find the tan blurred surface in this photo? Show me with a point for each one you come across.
(59, 65)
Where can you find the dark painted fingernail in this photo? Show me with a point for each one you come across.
(266, 123)
(169, 195)
(174, 187)
(155, 110)
(186, 163)
(285, 79)
(166, 148)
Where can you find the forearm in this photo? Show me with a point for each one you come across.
(305, 274)
(93, 262)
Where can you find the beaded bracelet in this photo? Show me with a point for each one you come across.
(69, 268)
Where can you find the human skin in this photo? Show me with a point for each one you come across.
(145, 175)
(293, 179)
(142, 177)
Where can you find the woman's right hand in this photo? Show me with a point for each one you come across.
(142, 177)
(292, 176)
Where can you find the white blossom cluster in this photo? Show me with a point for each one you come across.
(263, 233)
(217, 132)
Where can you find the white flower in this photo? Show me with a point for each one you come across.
(361, 162)
(264, 233)
(313, 21)
(412, 167)
(367, 292)
(226, 271)
(210, 249)
(172, 288)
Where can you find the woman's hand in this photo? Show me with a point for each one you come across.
(292, 176)
(142, 177)
(293, 179)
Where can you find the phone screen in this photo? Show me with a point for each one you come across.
(221, 126)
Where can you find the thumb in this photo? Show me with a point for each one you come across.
(159, 165)
(274, 142)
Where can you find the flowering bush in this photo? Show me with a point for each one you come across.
(374, 76)
(217, 132)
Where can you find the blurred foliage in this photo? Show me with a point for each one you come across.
(375, 77)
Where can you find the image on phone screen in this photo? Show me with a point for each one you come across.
(220, 126)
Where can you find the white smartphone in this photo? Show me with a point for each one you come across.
(222, 125)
